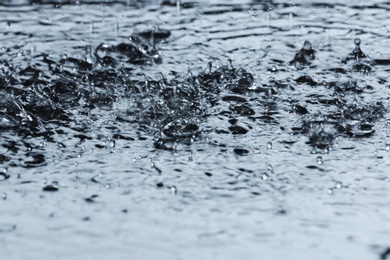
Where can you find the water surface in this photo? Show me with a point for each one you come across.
(211, 130)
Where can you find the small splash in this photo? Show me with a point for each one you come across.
(356, 55)
(304, 57)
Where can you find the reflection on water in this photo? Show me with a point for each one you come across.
(209, 129)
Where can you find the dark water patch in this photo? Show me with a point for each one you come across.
(51, 187)
(92, 198)
(385, 254)
(241, 151)
(4, 176)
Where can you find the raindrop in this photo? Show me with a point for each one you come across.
(330, 191)
(269, 145)
(178, 3)
(319, 160)
(264, 177)
(357, 41)
(307, 46)
(108, 186)
(339, 185)
(273, 69)
(387, 147)
(173, 190)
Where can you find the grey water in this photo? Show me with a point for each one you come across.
(194, 130)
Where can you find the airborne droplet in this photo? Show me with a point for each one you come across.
(307, 46)
(319, 160)
(357, 41)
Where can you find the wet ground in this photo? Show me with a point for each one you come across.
(209, 130)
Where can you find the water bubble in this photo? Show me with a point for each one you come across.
(357, 41)
(319, 160)
(269, 145)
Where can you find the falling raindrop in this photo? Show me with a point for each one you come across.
(319, 160)
(173, 190)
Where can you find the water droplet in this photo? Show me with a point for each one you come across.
(112, 143)
(326, 150)
(273, 69)
(264, 177)
(339, 185)
(330, 191)
(108, 186)
(307, 46)
(357, 41)
(173, 190)
(319, 160)
(387, 147)
(269, 145)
